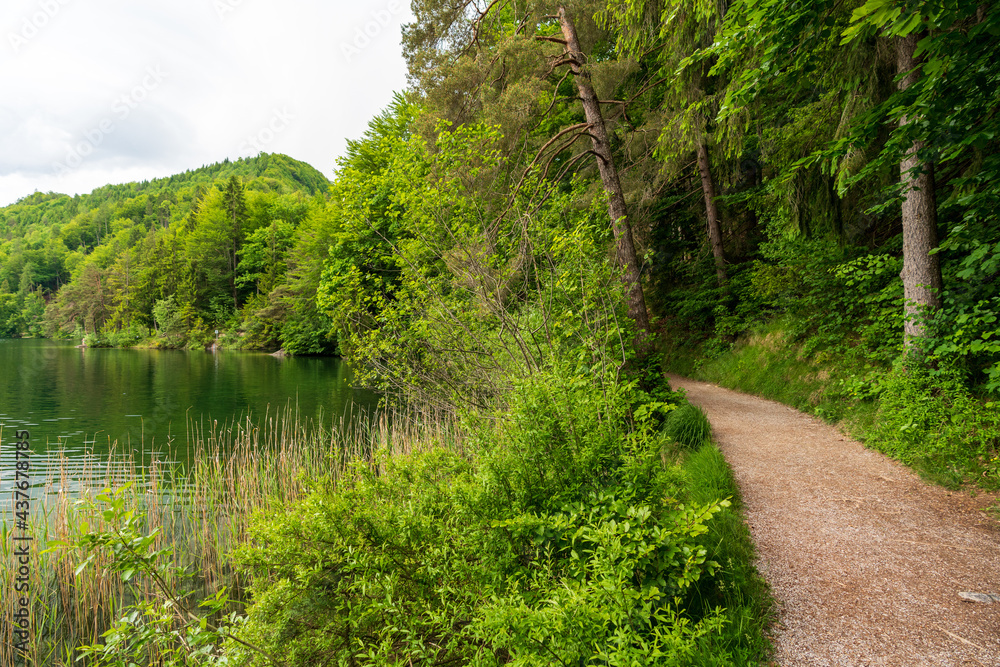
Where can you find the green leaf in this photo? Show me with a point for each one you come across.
(82, 566)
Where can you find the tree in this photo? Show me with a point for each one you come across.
(234, 200)
(122, 281)
(807, 44)
(208, 270)
(85, 302)
(617, 209)
(921, 275)
(475, 61)
(711, 212)
(169, 320)
(674, 30)
(946, 108)
(10, 313)
(304, 328)
(262, 257)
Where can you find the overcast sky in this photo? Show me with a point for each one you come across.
(110, 91)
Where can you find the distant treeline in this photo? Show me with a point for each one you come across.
(176, 257)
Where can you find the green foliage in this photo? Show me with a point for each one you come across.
(565, 538)
(11, 323)
(120, 338)
(965, 333)
(778, 58)
(617, 601)
(169, 321)
(840, 301)
(688, 426)
(209, 239)
(162, 628)
(449, 299)
(928, 419)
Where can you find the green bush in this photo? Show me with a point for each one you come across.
(688, 426)
(566, 539)
(927, 418)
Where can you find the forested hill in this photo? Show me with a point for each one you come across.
(207, 245)
(274, 172)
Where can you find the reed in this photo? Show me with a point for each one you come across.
(201, 506)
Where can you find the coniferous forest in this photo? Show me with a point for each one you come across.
(800, 199)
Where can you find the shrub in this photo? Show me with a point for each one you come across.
(927, 418)
(566, 538)
(688, 426)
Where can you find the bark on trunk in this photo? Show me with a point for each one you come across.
(921, 273)
(712, 213)
(624, 245)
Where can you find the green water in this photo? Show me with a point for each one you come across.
(81, 401)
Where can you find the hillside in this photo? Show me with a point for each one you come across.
(273, 172)
(205, 243)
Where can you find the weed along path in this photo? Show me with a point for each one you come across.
(865, 560)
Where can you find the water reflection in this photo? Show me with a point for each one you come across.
(98, 409)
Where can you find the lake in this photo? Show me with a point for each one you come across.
(80, 402)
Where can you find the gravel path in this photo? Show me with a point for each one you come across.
(865, 560)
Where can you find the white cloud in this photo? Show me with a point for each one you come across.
(129, 90)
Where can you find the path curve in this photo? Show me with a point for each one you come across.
(864, 559)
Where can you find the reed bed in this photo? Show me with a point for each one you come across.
(202, 507)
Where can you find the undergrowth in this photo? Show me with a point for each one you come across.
(567, 529)
(568, 535)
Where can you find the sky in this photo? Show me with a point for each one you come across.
(111, 91)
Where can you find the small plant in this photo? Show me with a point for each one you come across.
(864, 387)
(688, 426)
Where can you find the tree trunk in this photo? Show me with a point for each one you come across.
(712, 213)
(617, 210)
(921, 273)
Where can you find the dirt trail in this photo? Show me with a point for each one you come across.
(865, 560)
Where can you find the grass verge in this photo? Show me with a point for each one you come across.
(923, 418)
(737, 588)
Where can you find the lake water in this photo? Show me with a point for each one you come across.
(81, 401)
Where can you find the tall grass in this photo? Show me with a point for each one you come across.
(688, 426)
(202, 508)
(737, 587)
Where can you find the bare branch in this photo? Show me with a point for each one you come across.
(555, 94)
(479, 20)
(562, 174)
(571, 128)
(566, 60)
(580, 127)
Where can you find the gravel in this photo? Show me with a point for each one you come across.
(865, 560)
